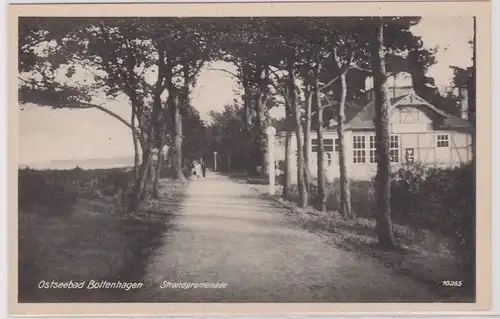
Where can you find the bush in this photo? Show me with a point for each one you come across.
(42, 189)
(440, 200)
(58, 190)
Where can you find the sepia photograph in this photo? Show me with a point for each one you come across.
(246, 159)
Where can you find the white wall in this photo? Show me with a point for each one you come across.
(416, 134)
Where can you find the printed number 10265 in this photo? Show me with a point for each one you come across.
(452, 283)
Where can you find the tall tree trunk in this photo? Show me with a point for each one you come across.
(260, 120)
(260, 131)
(136, 145)
(177, 163)
(287, 174)
(307, 140)
(383, 178)
(256, 149)
(247, 105)
(321, 152)
(147, 177)
(345, 191)
(159, 165)
(151, 180)
(303, 196)
(139, 191)
(158, 175)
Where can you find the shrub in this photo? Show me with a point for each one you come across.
(441, 200)
(43, 189)
(57, 190)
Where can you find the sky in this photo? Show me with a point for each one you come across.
(46, 134)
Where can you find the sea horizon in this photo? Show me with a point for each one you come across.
(88, 163)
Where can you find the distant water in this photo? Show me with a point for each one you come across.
(94, 163)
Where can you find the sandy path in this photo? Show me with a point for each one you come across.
(225, 232)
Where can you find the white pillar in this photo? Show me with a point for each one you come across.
(271, 132)
(215, 161)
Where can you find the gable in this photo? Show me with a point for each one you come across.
(414, 114)
(423, 111)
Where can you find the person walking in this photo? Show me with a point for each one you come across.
(203, 168)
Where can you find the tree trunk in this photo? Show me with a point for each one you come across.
(345, 192)
(247, 105)
(320, 153)
(307, 140)
(136, 145)
(159, 165)
(177, 164)
(383, 177)
(303, 198)
(260, 121)
(157, 175)
(260, 152)
(287, 174)
(139, 191)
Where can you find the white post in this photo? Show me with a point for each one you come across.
(215, 161)
(271, 132)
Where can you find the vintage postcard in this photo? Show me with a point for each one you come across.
(249, 158)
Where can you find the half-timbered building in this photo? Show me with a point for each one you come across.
(419, 132)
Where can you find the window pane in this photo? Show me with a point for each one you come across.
(394, 156)
(373, 156)
(328, 141)
(443, 140)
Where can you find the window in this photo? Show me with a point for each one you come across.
(328, 159)
(394, 149)
(373, 149)
(327, 145)
(359, 153)
(443, 140)
(409, 115)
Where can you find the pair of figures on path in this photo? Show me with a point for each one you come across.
(198, 169)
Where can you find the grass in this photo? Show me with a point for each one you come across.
(68, 233)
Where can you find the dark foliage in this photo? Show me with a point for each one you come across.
(57, 190)
(439, 200)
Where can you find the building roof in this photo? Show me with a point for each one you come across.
(360, 115)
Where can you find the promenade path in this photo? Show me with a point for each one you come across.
(226, 232)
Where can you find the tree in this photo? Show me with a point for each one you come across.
(294, 100)
(109, 49)
(186, 43)
(246, 44)
(123, 52)
(383, 181)
(332, 51)
(227, 135)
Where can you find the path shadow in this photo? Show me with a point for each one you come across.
(92, 242)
